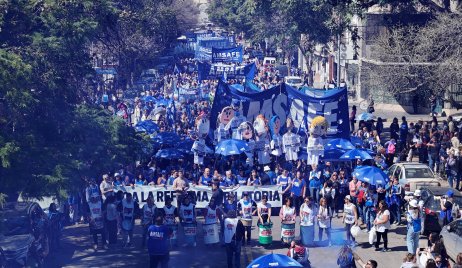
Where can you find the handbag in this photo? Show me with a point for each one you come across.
(372, 235)
(355, 230)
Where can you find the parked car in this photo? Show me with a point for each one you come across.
(432, 196)
(22, 226)
(452, 237)
(294, 81)
(413, 176)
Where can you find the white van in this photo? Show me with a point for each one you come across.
(269, 61)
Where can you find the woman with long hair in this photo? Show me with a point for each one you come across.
(324, 219)
(307, 221)
(345, 258)
(382, 225)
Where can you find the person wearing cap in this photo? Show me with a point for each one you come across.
(271, 175)
(446, 207)
(350, 218)
(106, 187)
(414, 226)
(417, 196)
(117, 179)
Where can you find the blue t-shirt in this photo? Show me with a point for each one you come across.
(315, 183)
(241, 180)
(158, 239)
(284, 181)
(272, 175)
(170, 180)
(206, 180)
(297, 187)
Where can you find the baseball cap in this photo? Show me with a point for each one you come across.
(348, 197)
(116, 174)
(266, 168)
(413, 203)
(417, 193)
(450, 193)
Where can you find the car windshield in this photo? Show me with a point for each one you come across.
(294, 81)
(14, 223)
(420, 172)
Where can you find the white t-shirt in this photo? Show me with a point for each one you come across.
(230, 229)
(148, 213)
(324, 217)
(264, 208)
(382, 227)
(349, 213)
(307, 215)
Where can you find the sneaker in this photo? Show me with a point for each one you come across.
(385, 250)
(377, 249)
(95, 247)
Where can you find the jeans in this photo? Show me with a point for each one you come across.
(349, 237)
(412, 240)
(432, 161)
(385, 239)
(233, 248)
(314, 193)
(297, 202)
(395, 211)
(155, 260)
(458, 181)
(362, 212)
(95, 233)
(370, 216)
(320, 232)
(450, 179)
(111, 227)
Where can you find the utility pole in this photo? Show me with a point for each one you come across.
(338, 63)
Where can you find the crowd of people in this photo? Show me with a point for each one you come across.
(312, 194)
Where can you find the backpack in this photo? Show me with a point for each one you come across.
(328, 195)
(361, 196)
(391, 148)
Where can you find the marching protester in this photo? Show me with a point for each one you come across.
(324, 220)
(414, 225)
(264, 211)
(97, 220)
(308, 216)
(127, 209)
(234, 236)
(382, 225)
(188, 218)
(158, 247)
(170, 213)
(149, 212)
(111, 219)
(350, 218)
(246, 211)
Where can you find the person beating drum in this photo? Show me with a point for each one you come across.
(287, 215)
(264, 210)
(246, 211)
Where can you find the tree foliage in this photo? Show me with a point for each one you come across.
(49, 139)
(419, 58)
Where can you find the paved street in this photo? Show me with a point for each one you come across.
(76, 250)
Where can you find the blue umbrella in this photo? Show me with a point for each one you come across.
(365, 117)
(332, 154)
(343, 144)
(356, 141)
(371, 175)
(274, 260)
(146, 126)
(355, 154)
(231, 147)
(166, 138)
(169, 154)
(149, 99)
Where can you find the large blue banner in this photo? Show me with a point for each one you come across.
(284, 101)
(233, 54)
(208, 71)
(204, 46)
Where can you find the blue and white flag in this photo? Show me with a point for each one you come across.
(285, 101)
(208, 71)
(232, 54)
